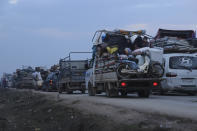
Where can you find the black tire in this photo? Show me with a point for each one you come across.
(123, 93)
(162, 92)
(144, 93)
(36, 88)
(18, 86)
(47, 89)
(69, 92)
(83, 91)
(91, 90)
(98, 92)
(110, 92)
(60, 90)
(156, 70)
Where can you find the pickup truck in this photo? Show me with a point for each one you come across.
(71, 75)
(110, 73)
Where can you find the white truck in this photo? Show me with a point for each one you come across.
(111, 73)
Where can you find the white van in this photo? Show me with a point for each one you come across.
(180, 73)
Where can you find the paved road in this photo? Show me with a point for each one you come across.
(178, 106)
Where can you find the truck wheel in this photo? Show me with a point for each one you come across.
(36, 88)
(144, 93)
(111, 92)
(108, 92)
(156, 70)
(91, 90)
(47, 89)
(98, 92)
(162, 92)
(83, 91)
(69, 92)
(17, 87)
(123, 93)
(60, 90)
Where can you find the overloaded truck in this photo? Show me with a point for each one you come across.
(71, 75)
(120, 65)
(24, 78)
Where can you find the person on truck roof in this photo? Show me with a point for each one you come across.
(116, 40)
(138, 42)
(145, 42)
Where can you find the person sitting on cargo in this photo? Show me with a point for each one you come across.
(138, 42)
(145, 42)
(105, 54)
(101, 50)
(98, 51)
(130, 55)
(105, 38)
(129, 58)
(127, 51)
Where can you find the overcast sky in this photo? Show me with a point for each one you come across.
(40, 32)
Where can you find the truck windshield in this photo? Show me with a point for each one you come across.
(183, 62)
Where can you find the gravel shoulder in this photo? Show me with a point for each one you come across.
(167, 112)
(22, 110)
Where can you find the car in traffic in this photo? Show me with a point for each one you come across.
(180, 73)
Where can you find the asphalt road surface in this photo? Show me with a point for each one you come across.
(171, 105)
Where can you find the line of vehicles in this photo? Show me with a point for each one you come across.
(122, 62)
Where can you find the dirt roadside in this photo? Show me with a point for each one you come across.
(26, 110)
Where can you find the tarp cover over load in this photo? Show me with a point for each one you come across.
(184, 34)
(175, 40)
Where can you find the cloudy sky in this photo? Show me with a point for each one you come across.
(40, 32)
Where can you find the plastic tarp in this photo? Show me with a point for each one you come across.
(184, 34)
